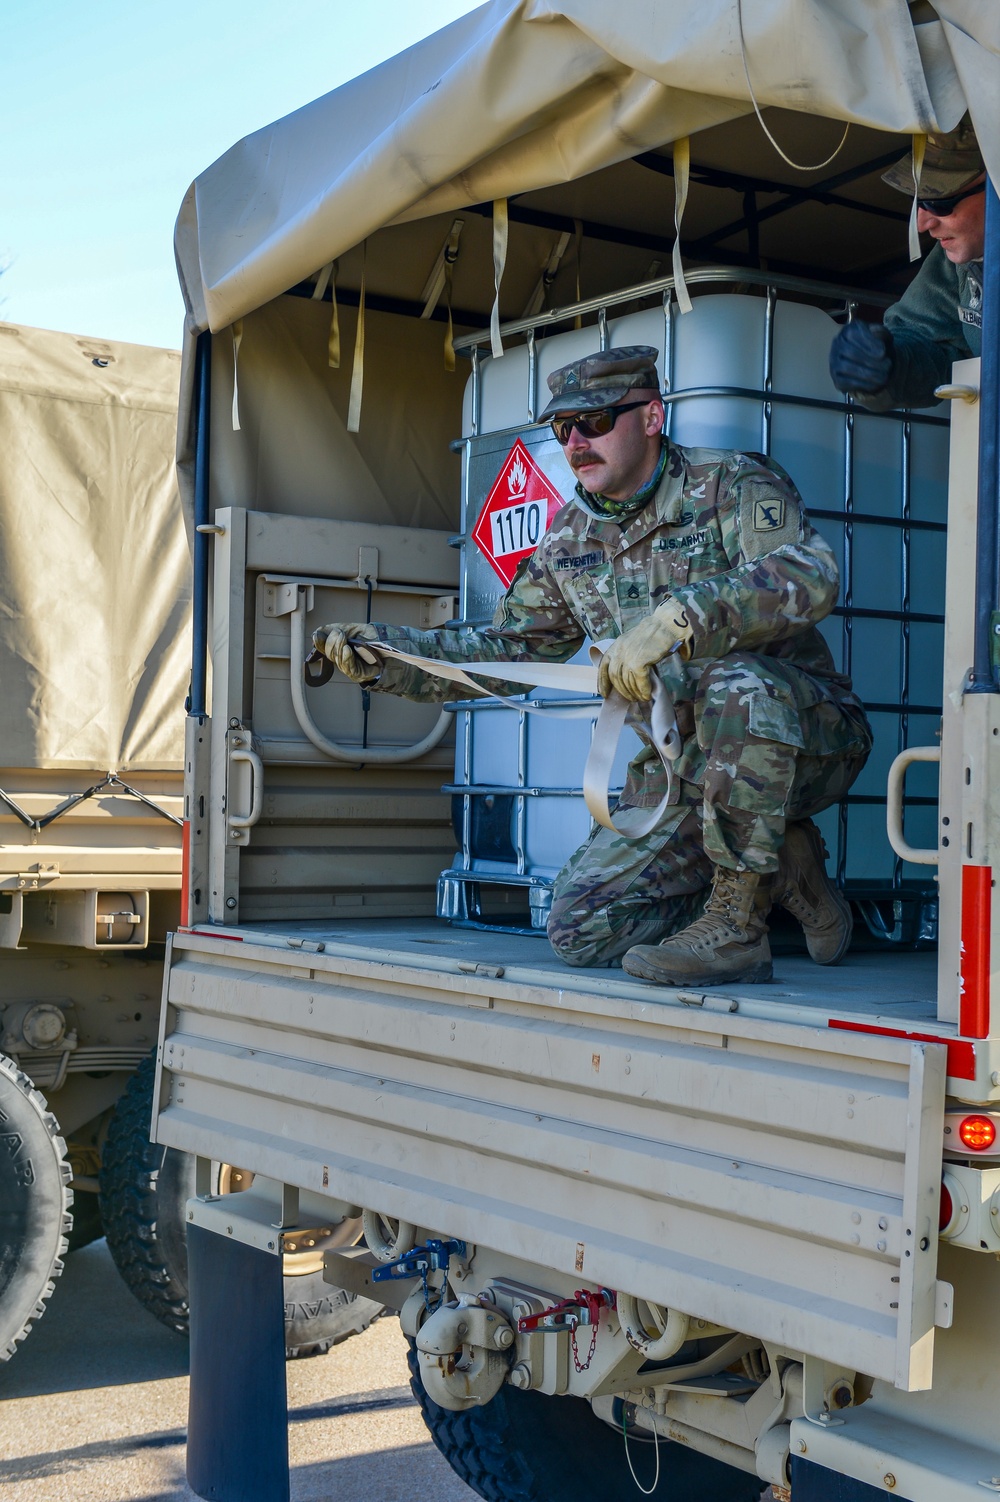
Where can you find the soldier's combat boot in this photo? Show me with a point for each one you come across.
(727, 943)
(803, 889)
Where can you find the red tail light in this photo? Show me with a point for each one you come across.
(947, 1207)
(977, 1133)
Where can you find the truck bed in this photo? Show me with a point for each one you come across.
(892, 984)
(774, 1171)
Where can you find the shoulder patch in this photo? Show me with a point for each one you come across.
(769, 517)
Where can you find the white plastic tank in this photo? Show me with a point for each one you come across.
(736, 379)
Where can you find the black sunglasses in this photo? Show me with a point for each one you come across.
(592, 424)
(942, 207)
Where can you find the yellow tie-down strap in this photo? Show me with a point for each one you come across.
(581, 679)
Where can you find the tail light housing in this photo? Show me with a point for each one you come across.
(954, 1207)
(972, 1134)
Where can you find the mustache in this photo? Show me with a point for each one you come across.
(584, 456)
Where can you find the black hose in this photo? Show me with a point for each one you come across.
(202, 517)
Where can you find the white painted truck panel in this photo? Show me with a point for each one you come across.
(779, 1180)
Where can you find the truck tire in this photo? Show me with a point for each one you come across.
(35, 1198)
(144, 1190)
(528, 1447)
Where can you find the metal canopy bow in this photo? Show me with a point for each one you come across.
(518, 96)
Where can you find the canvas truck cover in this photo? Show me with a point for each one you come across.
(94, 559)
(524, 94)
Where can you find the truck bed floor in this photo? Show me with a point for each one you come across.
(892, 984)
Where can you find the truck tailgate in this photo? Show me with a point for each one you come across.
(774, 1177)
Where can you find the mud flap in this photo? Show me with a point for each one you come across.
(237, 1444)
(814, 1483)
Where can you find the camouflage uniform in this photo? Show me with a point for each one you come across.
(772, 731)
(939, 318)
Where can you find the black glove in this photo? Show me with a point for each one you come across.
(861, 358)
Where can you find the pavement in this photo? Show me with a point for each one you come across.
(93, 1408)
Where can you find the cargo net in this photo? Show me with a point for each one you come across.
(112, 781)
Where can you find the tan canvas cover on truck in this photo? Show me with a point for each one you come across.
(519, 96)
(95, 643)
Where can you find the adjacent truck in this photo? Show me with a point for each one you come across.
(716, 1239)
(95, 653)
(94, 648)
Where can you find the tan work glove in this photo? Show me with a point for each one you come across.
(627, 663)
(358, 665)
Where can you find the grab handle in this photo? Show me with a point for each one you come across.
(894, 805)
(247, 821)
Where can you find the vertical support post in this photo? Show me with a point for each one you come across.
(532, 376)
(906, 544)
(903, 736)
(477, 391)
(847, 595)
(668, 356)
(193, 844)
(979, 817)
(984, 679)
(470, 726)
(238, 1407)
(966, 726)
(522, 781)
(767, 375)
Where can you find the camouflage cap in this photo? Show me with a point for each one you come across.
(951, 162)
(601, 379)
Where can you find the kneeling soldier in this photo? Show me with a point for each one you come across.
(704, 568)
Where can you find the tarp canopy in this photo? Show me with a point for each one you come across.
(95, 641)
(521, 95)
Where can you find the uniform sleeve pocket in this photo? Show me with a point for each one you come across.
(775, 719)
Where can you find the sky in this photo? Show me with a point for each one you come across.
(109, 109)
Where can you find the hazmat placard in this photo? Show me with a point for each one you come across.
(516, 514)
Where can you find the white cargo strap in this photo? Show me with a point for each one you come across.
(682, 175)
(358, 370)
(919, 147)
(499, 262)
(237, 341)
(631, 823)
(333, 338)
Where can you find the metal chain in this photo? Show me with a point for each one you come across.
(432, 1304)
(583, 1366)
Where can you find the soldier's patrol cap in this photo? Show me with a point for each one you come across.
(601, 379)
(951, 162)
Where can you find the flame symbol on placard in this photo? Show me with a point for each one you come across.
(517, 477)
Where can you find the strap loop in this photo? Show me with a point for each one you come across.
(630, 823)
(499, 262)
(237, 341)
(358, 370)
(919, 147)
(682, 175)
